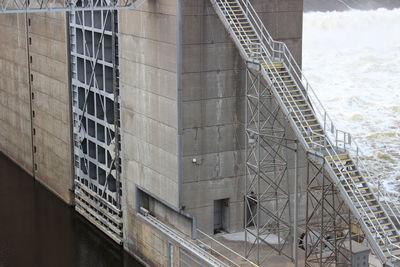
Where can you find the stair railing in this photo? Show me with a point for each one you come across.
(342, 140)
(243, 41)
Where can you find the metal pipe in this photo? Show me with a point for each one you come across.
(296, 203)
(179, 99)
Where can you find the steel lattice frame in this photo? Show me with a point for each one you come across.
(328, 220)
(96, 117)
(267, 197)
(34, 6)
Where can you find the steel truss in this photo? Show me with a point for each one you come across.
(267, 196)
(34, 6)
(327, 240)
(96, 118)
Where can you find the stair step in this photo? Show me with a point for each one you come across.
(237, 18)
(394, 243)
(285, 76)
(232, 11)
(358, 188)
(294, 101)
(375, 212)
(381, 224)
(368, 206)
(318, 142)
(229, 4)
(345, 166)
(396, 252)
(243, 26)
(277, 72)
(230, 8)
(283, 93)
(313, 136)
(352, 181)
(347, 171)
(284, 81)
(364, 195)
(364, 200)
(319, 131)
(343, 156)
(386, 231)
(304, 110)
(275, 64)
(306, 121)
(243, 30)
(308, 125)
(379, 219)
(362, 188)
(283, 86)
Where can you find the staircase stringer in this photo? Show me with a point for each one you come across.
(256, 45)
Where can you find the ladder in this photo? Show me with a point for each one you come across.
(314, 128)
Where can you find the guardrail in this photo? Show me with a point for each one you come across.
(332, 141)
(222, 251)
(342, 140)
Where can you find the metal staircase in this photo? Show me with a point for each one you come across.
(373, 208)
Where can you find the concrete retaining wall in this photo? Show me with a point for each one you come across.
(35, 102)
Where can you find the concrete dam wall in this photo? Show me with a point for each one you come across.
(124, 112)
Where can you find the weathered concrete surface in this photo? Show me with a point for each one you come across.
(15, 114)
(148, 96)
(48, 56)
(212, 110)
(213, 117)
(284, 21)
(34, 70)
(149, 121)
(214, 105)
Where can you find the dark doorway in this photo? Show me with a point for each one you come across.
(221, 215)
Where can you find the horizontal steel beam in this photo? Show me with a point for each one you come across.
(39, 6)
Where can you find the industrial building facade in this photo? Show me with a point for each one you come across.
(138, 119)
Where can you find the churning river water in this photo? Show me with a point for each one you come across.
(352, 60)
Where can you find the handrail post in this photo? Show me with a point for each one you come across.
(344, 140)
(357, 155)
(336, 138)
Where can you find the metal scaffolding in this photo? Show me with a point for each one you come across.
(96, 118)
(327, 240)
(267, 196)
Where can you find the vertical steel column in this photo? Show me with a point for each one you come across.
(296, 208)
(267, 197)
(328, 233)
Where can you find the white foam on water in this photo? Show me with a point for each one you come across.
(352, 60)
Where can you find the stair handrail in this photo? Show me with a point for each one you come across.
(310, 95)
(228, 12)
(268, 65)
(285, 52)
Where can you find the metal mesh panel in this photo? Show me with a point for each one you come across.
(95, 92)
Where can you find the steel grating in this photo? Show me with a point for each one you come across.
(96, 117)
